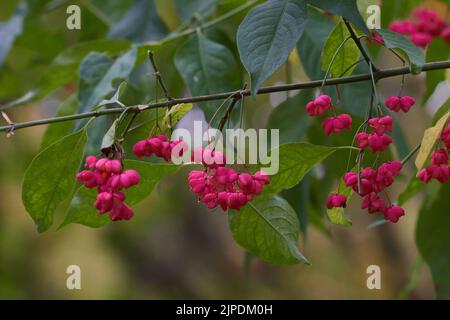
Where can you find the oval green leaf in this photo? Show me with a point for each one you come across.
(50, 178)
(267, 35)
(269, 229)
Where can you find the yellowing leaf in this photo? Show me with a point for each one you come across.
(430, 136)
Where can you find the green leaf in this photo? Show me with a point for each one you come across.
(187, 9)
(96, 74)
(110, 137)
(399, 43)
(115, 97)
(269, 229)
(141, 23)
(207, 67)
(64, 68)
(436, 51)
(336, 214)
(82, 210)
(295, 160)
(176, 113)
(50, 178)
(310, 45)
(441, 111)
(267, 35)
(347, 56)
(344, 8)
(151, 174)
(290, 117)
(430, 136)
(56, 131)
(433, 238)
(10, 30)
(413, 187)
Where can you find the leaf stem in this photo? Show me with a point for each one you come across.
(411, 153)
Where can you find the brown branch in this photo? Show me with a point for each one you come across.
(380, 74)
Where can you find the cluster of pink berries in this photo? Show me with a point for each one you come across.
(160, 146)
(225, 187)
(378, 141)
(397, 103)
(439, 169)
(371, 182)
(422, 27)
(330, 125)
(108, 177)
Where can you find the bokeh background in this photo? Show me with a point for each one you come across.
(174, 247)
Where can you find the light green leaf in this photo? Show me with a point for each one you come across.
(433, 238)
(295, 160)
(50, 178)
(56, 131)
(267, 35)
(96, 74)
(110, 137)
(115, 97)
(347, 56)
(176, 113)
(347, 9)
(269, 229)
(207, 67)
(336, 214)
(430, 136)
(399, 43)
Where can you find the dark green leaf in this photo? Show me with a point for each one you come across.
(207, 67)
(56, 131)
(10, 30)
(344, 8)
(82, 210)
(433, 238)
(441, 111)
(141, 23)
(50, 178)
(96, 74)
(187, 8)
(398, 42)
(344, 59)
(267, 36)
(436, 51)
(310, 45)
(269, 229)
(291, 118)
(413, 187)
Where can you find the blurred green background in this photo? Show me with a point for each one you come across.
(174, 247)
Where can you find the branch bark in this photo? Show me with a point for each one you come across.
(380, 74)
